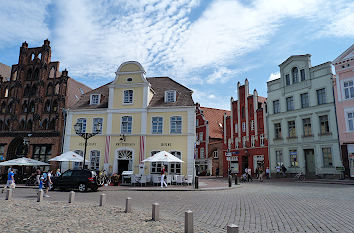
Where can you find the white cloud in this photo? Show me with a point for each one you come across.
(212, 96)
(274, 76)
(222, 75)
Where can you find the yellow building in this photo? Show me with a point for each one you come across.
(140, 116)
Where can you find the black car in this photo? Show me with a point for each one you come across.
(76, 179)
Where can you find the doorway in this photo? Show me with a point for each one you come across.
(123, 165)
(244, 163)
(310, 163)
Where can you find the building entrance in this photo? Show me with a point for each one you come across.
(244, 163)
(310, 163)
(124, 161)
(16, 149)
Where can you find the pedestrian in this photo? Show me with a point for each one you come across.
(257, 172)
(10, 180)
(57, 174)
(278, 170)
(163, 177)
(217, 172)
(40, 184)
(261, 173)
(249, 172)
(38, 176)
(48, 183)
(267, 173)
(283, 170)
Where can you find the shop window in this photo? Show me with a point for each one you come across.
(42, 152)
(175, 168)
(327, 157)
(279, 157)
(293, 158)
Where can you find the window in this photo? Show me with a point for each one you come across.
(2, 151)
(350, 121)
(244, 141)
(243, 112)
(202, 152)
(128, 96)
(82, 91)
(279, 157)
(304, 100)
(157, 125)
(302, 74)
(176, 124)
(129, 79)
(277, 130)
(290, 103)
(276, 106)
(32, 106)
(307, 127)
(327, 157)
(349, 89)
(55, 106)
(252, 141)
(78, 165)
(126, 125)
(82, 121)
(95, 160)
(42, 152)
(243, 126)
(321, 96)
(236, 143)
(261, 139)
(291, 129)
(215, 154)
(293, 158)
(170, 96)
(96, 121)
(95, 99)
(287, 79)
(47, 106)
(201, 136)
(156, 167)
(52, 72)
(324, 125)
(236, 129)
(197, 122)
(229, 143)
(252, 124)
(24, 107)
(295, 73)
(176, 167)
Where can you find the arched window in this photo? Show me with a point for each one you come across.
(29, 74)
(45, 124)
(50, 89)
(6, 94)
(1, 124)
(27, 91)
(10, 108)
(29, 125)
(295, 74)
(36, 74)
(47, 106)
(25, 106)
(32, 57)
(22, 125)
(34, 90)
(3, 107)
(55, 106)
(32, 106)
(39, 56)
(14, 76)
(56, 90)
(52, 72)
(52, 124)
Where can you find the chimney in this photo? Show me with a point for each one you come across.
(64, 73)
(25, 45)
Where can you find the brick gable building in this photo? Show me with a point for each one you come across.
(244, 138)
(33, 103)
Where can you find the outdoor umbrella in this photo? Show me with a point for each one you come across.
(69, 156)
(163, 156)
(23, 162)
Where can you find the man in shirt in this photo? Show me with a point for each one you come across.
(10, 180)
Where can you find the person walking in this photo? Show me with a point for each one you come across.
(40, 184)
(163, 177)
(267, 173)
(283, 170)
(261, 173)
(249, 176)
(217, 172)
(278, 170)
(257, 172)
(38, 176)
(48, 183)
(10, 180)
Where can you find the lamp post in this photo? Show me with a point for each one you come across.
(78, 131)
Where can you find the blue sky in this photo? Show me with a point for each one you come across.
(207, 45)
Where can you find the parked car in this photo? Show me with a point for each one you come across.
(76, 179)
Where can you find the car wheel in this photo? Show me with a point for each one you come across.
(82, 187)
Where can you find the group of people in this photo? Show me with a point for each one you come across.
(247, 175)
(281, 169)
(43, 180)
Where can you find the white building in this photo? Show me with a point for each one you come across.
(301, 116)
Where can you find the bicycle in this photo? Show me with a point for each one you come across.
(300, 176)
(102, 178)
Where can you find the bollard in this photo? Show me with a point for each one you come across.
(40, 196)
(232, 228)
(128, 205)
(102, 199)
(230, 182)
(8, 194)
(196, 182)
(188, 222)
(236, 180)
(155, 212)
(71, 197)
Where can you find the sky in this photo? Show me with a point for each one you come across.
(206, 45)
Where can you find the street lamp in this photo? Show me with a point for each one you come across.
(78, 131)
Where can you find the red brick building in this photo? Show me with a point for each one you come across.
(33, 99)
(209, 148)
(245, 134)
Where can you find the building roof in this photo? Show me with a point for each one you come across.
(159, 86)
(5, 71)
(215, 118)
(346, 55)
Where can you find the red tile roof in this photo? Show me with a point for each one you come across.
(215, 117)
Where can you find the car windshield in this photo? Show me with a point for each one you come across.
(67, 173)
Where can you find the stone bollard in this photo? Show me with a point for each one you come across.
(40, 196)
(71, 197)
(155, 212)
(102, 199)
(8, 194)
(128, 205)
(230, 180)
(188, 221)
(196, 182)
(232, 228)
(236, 180)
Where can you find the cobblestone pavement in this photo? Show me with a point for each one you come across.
(255, 207)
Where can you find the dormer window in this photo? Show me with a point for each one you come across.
(170, 96)
(95, 99)
(129, 79)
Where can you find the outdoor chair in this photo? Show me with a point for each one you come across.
(142, 180)
(174, 179)
(156, 179)
(179, 180)
(132, 180)
(148, 179)
(168, 179)
(189, 180)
